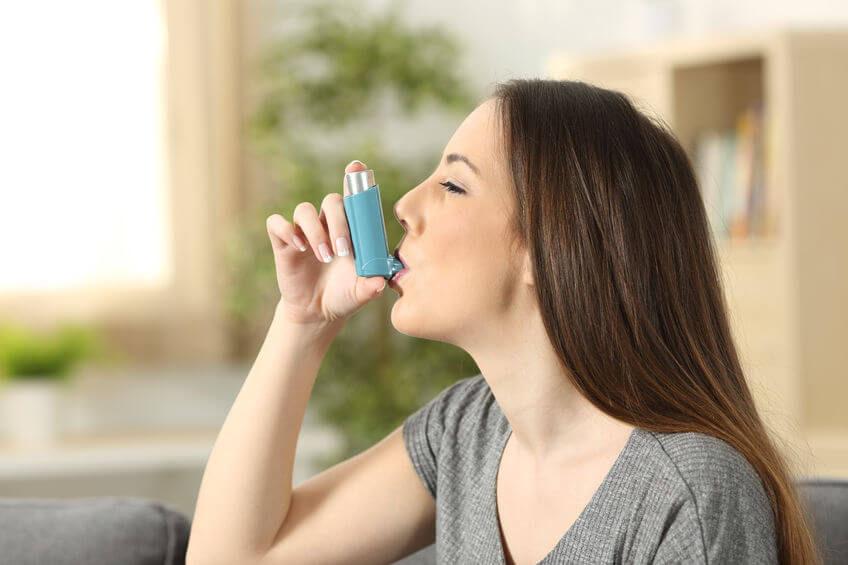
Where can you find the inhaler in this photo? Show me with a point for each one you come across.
(364, 212)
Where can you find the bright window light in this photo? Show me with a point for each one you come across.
(82, 161)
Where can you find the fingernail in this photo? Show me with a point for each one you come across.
(355, 161)
(381, 289)
(299, 243)
(341, 246)
(325, 252)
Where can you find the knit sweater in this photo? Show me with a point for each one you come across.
(668, 498)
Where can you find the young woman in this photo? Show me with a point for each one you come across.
(563, 243)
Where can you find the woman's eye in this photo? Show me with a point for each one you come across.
(450, 187)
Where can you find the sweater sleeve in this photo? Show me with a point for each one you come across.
(423, 431)
(726, 519)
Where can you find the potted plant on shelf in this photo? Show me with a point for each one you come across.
(35, 370)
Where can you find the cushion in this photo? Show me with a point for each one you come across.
(92, 531)
(827, 502)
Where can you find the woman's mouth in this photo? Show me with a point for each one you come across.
(400, 274)
(397, 276)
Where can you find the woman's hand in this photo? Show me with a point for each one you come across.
(312, 291)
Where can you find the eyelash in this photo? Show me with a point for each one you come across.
(450, 187)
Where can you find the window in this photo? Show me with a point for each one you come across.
(83, 198)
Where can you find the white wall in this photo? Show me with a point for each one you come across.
(512, 39)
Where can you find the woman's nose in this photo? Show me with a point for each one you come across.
(409, 207)
(399, 208)
(398, 213)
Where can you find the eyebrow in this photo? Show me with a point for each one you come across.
(457, 157)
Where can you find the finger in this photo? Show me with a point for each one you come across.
(280, 232)
(334, 220)
(305, 217)
(354, 166)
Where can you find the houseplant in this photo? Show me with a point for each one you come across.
(334, 78)
(35, 369)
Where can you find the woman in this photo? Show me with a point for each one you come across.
(562, 242)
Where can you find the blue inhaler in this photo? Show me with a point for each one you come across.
(364, 212)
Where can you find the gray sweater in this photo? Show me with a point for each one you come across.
(668, 498)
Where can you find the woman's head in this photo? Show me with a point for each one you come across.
(465, 277)
(588, 211)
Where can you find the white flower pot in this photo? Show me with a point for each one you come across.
(31, 410)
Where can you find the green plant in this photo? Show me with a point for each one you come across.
(330, 79)
(27, 355)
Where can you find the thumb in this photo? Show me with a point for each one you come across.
(372, 288)
(379, 285)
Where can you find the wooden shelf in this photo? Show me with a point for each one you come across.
(787, 291)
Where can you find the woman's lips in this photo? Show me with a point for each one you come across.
(400, 274)
(397, 276)
(400, 258)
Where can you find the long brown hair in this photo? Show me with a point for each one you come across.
(626, 275)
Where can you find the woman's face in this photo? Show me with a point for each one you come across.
(462, 276)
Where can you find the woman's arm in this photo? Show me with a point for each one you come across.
(245, 492)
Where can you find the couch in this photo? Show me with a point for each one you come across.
(131, 531)
(91, 531)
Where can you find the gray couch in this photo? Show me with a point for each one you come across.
(130, 531)
(827, 500)
(91, 531)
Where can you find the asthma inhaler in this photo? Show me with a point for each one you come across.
(364, 212)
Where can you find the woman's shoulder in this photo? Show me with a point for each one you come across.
(715, 478)
(466, 389)
(460, 397)
(705, 461)
(452, 432)
(456, 407)
(465, 404)
(713, 496)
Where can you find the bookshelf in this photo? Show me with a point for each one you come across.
(785, 276)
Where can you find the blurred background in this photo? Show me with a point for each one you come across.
(144, 143)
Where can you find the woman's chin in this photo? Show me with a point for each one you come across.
(400, 320)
